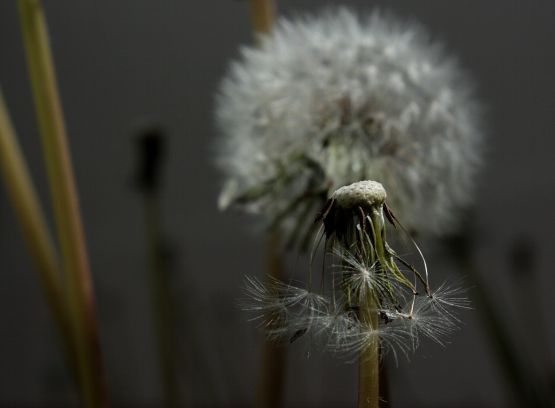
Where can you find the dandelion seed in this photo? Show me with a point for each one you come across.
(266, 306)
(280, 308)
(360, 276)
(445, 299)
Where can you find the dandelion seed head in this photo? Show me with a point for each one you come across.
(327, 100)
(371, 299)
(361, 193)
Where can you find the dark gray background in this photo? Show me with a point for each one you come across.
(127, 63)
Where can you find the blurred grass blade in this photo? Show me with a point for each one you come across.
(35, 231)
(79, 289)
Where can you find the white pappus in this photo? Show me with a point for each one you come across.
(334, 98)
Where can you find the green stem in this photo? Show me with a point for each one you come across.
(371, 376)
(384, 257)
(35, 231)
(79, 288)
(369, 360)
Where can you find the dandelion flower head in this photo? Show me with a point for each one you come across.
(372, 295)
(331, 99)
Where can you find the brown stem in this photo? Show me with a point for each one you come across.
(269, 391)
(79, 288)
(262, 15)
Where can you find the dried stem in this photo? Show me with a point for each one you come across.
(262, 15)
(269, 392)
(35, 231)
(79, 289)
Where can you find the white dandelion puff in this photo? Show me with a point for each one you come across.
(328, 100)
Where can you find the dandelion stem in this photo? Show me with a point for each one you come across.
(269, 393)
(79, 288)
(262, 15)
(35, 231)
(369, 363)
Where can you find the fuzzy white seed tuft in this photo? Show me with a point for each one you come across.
(334, 98)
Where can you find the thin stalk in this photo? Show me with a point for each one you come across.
(161, 303)
(369, 359)
(270, 386)
(78, 282)
(151, 152)
(262, 15)
(35, 231)
(369, 363)
(269, 391)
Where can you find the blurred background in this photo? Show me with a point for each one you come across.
(130, 67)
